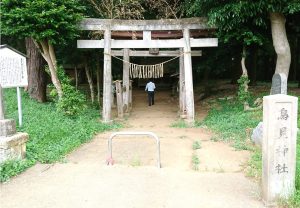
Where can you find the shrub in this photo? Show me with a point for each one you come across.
(73, 101)
(243, 93)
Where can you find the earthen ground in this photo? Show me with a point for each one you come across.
(84, 180)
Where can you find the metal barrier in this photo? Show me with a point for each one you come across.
(129, 133)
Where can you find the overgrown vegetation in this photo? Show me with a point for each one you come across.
(73, 102)
(52, 135)
(233, 124)
(243, 93)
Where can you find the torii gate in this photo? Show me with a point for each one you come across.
(147, 26)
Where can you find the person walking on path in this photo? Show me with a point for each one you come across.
(150, 87)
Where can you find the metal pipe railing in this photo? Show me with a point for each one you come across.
(130, 133)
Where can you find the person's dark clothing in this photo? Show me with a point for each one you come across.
(150, 87)
(151, 98)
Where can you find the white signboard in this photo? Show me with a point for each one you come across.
(13, 71)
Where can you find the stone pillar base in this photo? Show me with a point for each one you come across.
(7, 127)
(13, 147)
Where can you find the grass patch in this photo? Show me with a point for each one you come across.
(52, 135)
(179, 124)
(195, 162)
(292, 202)
(254, 168)
(231, 123)
(196, 145)
(135, 162)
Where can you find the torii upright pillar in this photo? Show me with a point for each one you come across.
(188, 77)
(107, 80)
(126, 79)
(182, 90)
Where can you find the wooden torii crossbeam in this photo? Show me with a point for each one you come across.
(139, 53)
(147, 26)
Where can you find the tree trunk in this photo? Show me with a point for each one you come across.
(98, 83)
(37, 83)
(280, 43)
(244, 69)
(90, 81)
(47, 51)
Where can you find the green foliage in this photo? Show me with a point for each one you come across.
(55, 20)
(231, 122)
(255, 164)
(243, 93)
(179, 124)
(196, 145)
(11, 168)
(243, 21)
(52, 135)
(292, 202)
(195, 162)
(73, 101)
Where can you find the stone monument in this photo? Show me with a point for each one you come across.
(12, 144)
(257, 135)
(279, 147)
(279, 84)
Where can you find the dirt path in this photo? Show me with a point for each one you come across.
(135, 181)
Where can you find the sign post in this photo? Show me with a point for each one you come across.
(13, 72)
(19, 106)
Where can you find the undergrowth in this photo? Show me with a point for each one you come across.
(52, 134)
(179, 124)
(232, 124)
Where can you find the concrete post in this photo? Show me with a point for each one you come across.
(107, 79)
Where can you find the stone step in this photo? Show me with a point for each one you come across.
(13, 147)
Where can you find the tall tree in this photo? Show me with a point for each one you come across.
(166, 8)
(240, 18)
(116, 9)
(36, 74)
(48, 23)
